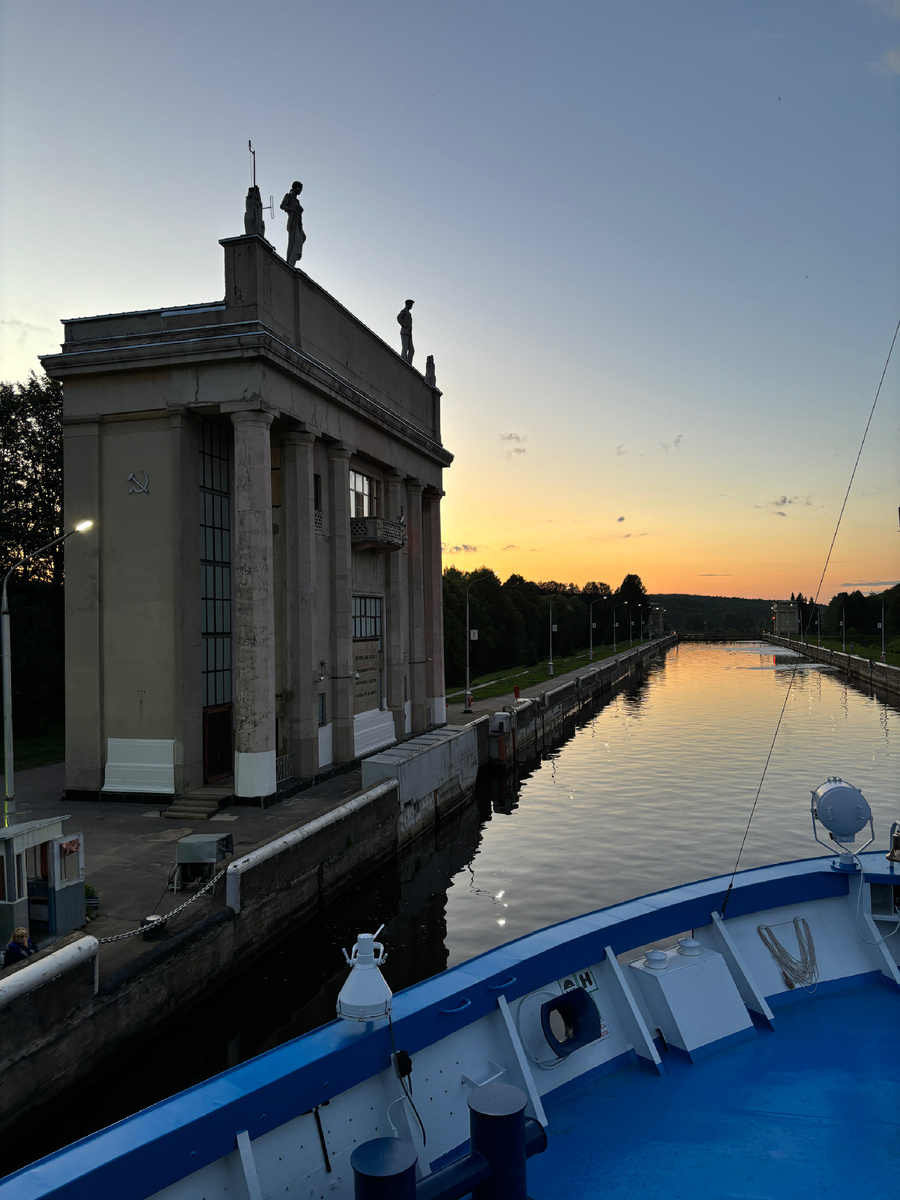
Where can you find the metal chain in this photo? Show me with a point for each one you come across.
(118, 937)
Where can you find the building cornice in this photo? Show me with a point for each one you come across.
(248, 340)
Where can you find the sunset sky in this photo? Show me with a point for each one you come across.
(654, 246)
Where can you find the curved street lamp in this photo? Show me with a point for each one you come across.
(9, 802)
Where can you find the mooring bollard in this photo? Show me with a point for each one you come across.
(384, 1169)
(501, 1138)
(497, 1132)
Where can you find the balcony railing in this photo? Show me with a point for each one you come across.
(376, 533)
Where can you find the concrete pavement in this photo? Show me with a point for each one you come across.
(130, 848)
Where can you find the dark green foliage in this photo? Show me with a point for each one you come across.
(863, 613)
(30, 517)
(513, 619)
(716, 614)
(31, 475)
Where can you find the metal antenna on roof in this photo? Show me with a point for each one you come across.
(270, 207)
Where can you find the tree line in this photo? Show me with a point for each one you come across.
(31, 489)
(513, 619)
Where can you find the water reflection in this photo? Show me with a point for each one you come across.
(655, 789)
(650, 789)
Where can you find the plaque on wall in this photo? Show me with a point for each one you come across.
(366, 673)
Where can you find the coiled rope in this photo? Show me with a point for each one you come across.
(798, 972)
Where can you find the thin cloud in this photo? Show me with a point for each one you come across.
(779, 514)
(462, 549)
(510, 438)
(620, 450)
(620, 518)
(861, 583)
(889, 63)
(511, 546)
(784, 501)
(715, 575)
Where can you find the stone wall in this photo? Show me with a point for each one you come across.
(881, 677)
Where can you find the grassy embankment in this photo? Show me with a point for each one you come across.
(39, 751)
(500, 683)
(892, 650)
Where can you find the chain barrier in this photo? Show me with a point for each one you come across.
(118, 937)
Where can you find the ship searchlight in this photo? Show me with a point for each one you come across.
(844, 811)
(365, 996)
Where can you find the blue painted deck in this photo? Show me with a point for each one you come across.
(809, 1110)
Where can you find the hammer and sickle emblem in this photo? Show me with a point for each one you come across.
(138, 486)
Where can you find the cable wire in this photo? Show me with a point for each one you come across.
(815, 603)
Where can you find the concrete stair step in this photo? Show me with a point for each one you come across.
(189, 809)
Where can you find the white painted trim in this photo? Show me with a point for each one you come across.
(521, 1059)
(630, 1014)
(248, 1163)
(438, 709)
(254, 773)
(263, 853)
(140, 765)
(372, 730)
(750, 994)
(13, 986)
(326, 752)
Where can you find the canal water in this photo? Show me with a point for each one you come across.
(653, 789)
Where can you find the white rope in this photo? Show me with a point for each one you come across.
(798, 972)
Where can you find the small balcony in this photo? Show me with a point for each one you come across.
(376, 533)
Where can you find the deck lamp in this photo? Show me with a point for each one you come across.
(365, 996)
(9, 802)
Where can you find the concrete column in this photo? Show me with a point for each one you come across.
(435, 702)
(298, 499)
(85, 731)
(254, 612)
(340, 669)
(396, 639)
(187, 700)
(416, 593)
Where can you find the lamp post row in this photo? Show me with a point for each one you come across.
(9, 801)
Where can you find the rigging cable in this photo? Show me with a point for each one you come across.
(815, 602)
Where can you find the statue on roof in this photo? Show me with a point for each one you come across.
(296, 237)
(404, 320)
(253, 213)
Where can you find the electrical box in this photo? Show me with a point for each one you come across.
(196, 856)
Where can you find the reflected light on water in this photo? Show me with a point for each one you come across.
(656, 789)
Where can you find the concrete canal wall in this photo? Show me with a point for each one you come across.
(882, 677)
(61, 1018)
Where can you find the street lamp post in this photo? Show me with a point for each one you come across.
(630, 628)
(843, 629)
(467, 707)
(624, 604)
(883, 655)
(591, 624)
(9, 799)
(552, 627)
